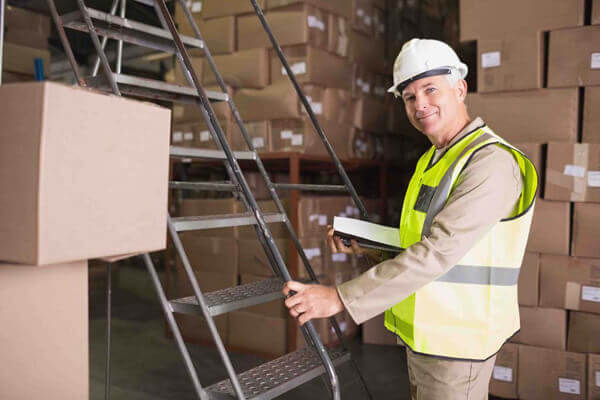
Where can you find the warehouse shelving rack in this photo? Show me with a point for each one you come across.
(293, 369)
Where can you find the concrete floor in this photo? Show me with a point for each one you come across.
(146, 365)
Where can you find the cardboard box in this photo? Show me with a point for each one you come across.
(216, 254)
(586, 230)
(591, 120)
(242, 69)
(21, 59)
(543, 327)
(180, 18)
(44, 335)
(197, 134)
(219, 34)
(595, 16)
(339, 37)
(338, 106)
(570, 282)
(370, 114)
(506, 371)
(60, 149)
(314, 248)
(583, 332)
(551, 374)
(338, 7)
(201, 207)
(178, 75)
(593, 373)
(311, 65)
(511, 62)
(374, 332)
(362, 145)
(26, 28)
(368, 52)
(259, 133)
(277, 101)
(300, 135)
(218, 8)
(268, 335)
(574, 57)
(297, 24)
(379, 22)
(184, 113)
(275, 308)
(573, 172)
(257, 184)
(489, 18)
(316, 212)
(550, 228)
(538, 116)
(529, 280)
(253, 260)
(362, 16)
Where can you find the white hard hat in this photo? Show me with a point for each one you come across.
(420, 58)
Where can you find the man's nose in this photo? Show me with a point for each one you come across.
(421, 103)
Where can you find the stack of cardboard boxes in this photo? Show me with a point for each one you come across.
(537, 67)
(25, 40)
(336, 51)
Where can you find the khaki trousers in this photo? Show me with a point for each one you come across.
(434, 378)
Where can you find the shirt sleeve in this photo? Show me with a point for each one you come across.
(486, 191)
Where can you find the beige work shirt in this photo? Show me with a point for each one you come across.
(486, 191)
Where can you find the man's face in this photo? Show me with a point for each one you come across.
(432, 105)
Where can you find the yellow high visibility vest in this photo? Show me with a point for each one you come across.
(470, 311)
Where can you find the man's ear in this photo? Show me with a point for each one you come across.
(461, 89)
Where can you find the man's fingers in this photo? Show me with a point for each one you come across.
(295, 286)
(291, 301)
(355, 247)
(304, 318)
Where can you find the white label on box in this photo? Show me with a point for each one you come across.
(204, 136)
(379, 91)
(359, 82)
(381, 28)
(312, 253)
(595, 61)
(298, 68)
(314, 22)
(339, 257)
(572, 386)
(368, 20)
(594, 178)
(188, 136)
(502, 373)
(196, 6)
(366, 87)
(590, 293)
(598, 378)
(360, 12)
(313, 217)
(317, 108)
(574, 170)
(490, 59)
(322, 220)
(349, 210)
(177, 136)
(297, 139)
(286, 134)
(258, 142)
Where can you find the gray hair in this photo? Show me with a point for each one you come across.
(453, 77)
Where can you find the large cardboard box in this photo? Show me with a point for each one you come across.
(296, 24)
(300, 135)
(21, 59)
(362, 16)
(370, 114)
(339, 7)
(202, 207)
(216, 254)
(253, 260)
(570, 282)
(26, 28)
(593, 373)
(551, 374)
(573, 172)
(368, 52)
(219, 8)
(490, 18)
(178, 75)
(506, 371)
(312, 65)
(259, 133)
(591, 118)
(574, 57)
(583, 332)
(275, 308)
(44, 335)
(511, 62)
(586, 230)
(277, 101)
(530, 115)
(184, 113)
(529, 280)
(338, 106)
(543, 327)
(197, 135)
(257, 333)
(242, 69)
(85, 174)
(219, 34)
(316, 212)
(374, 332)
(363, 80)
(550, 228)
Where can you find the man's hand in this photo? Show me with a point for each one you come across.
(337, 246)
(311, 301)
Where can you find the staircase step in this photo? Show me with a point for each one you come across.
(202, 186)
(183, 224)
(190, 152)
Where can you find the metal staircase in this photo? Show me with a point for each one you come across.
(277, 376)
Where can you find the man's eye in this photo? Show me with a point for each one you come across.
(409, 98)
(430, 90)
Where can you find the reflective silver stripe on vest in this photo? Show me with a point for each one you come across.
(499, 276)
(443, 189)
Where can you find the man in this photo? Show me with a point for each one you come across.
(451, 296)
